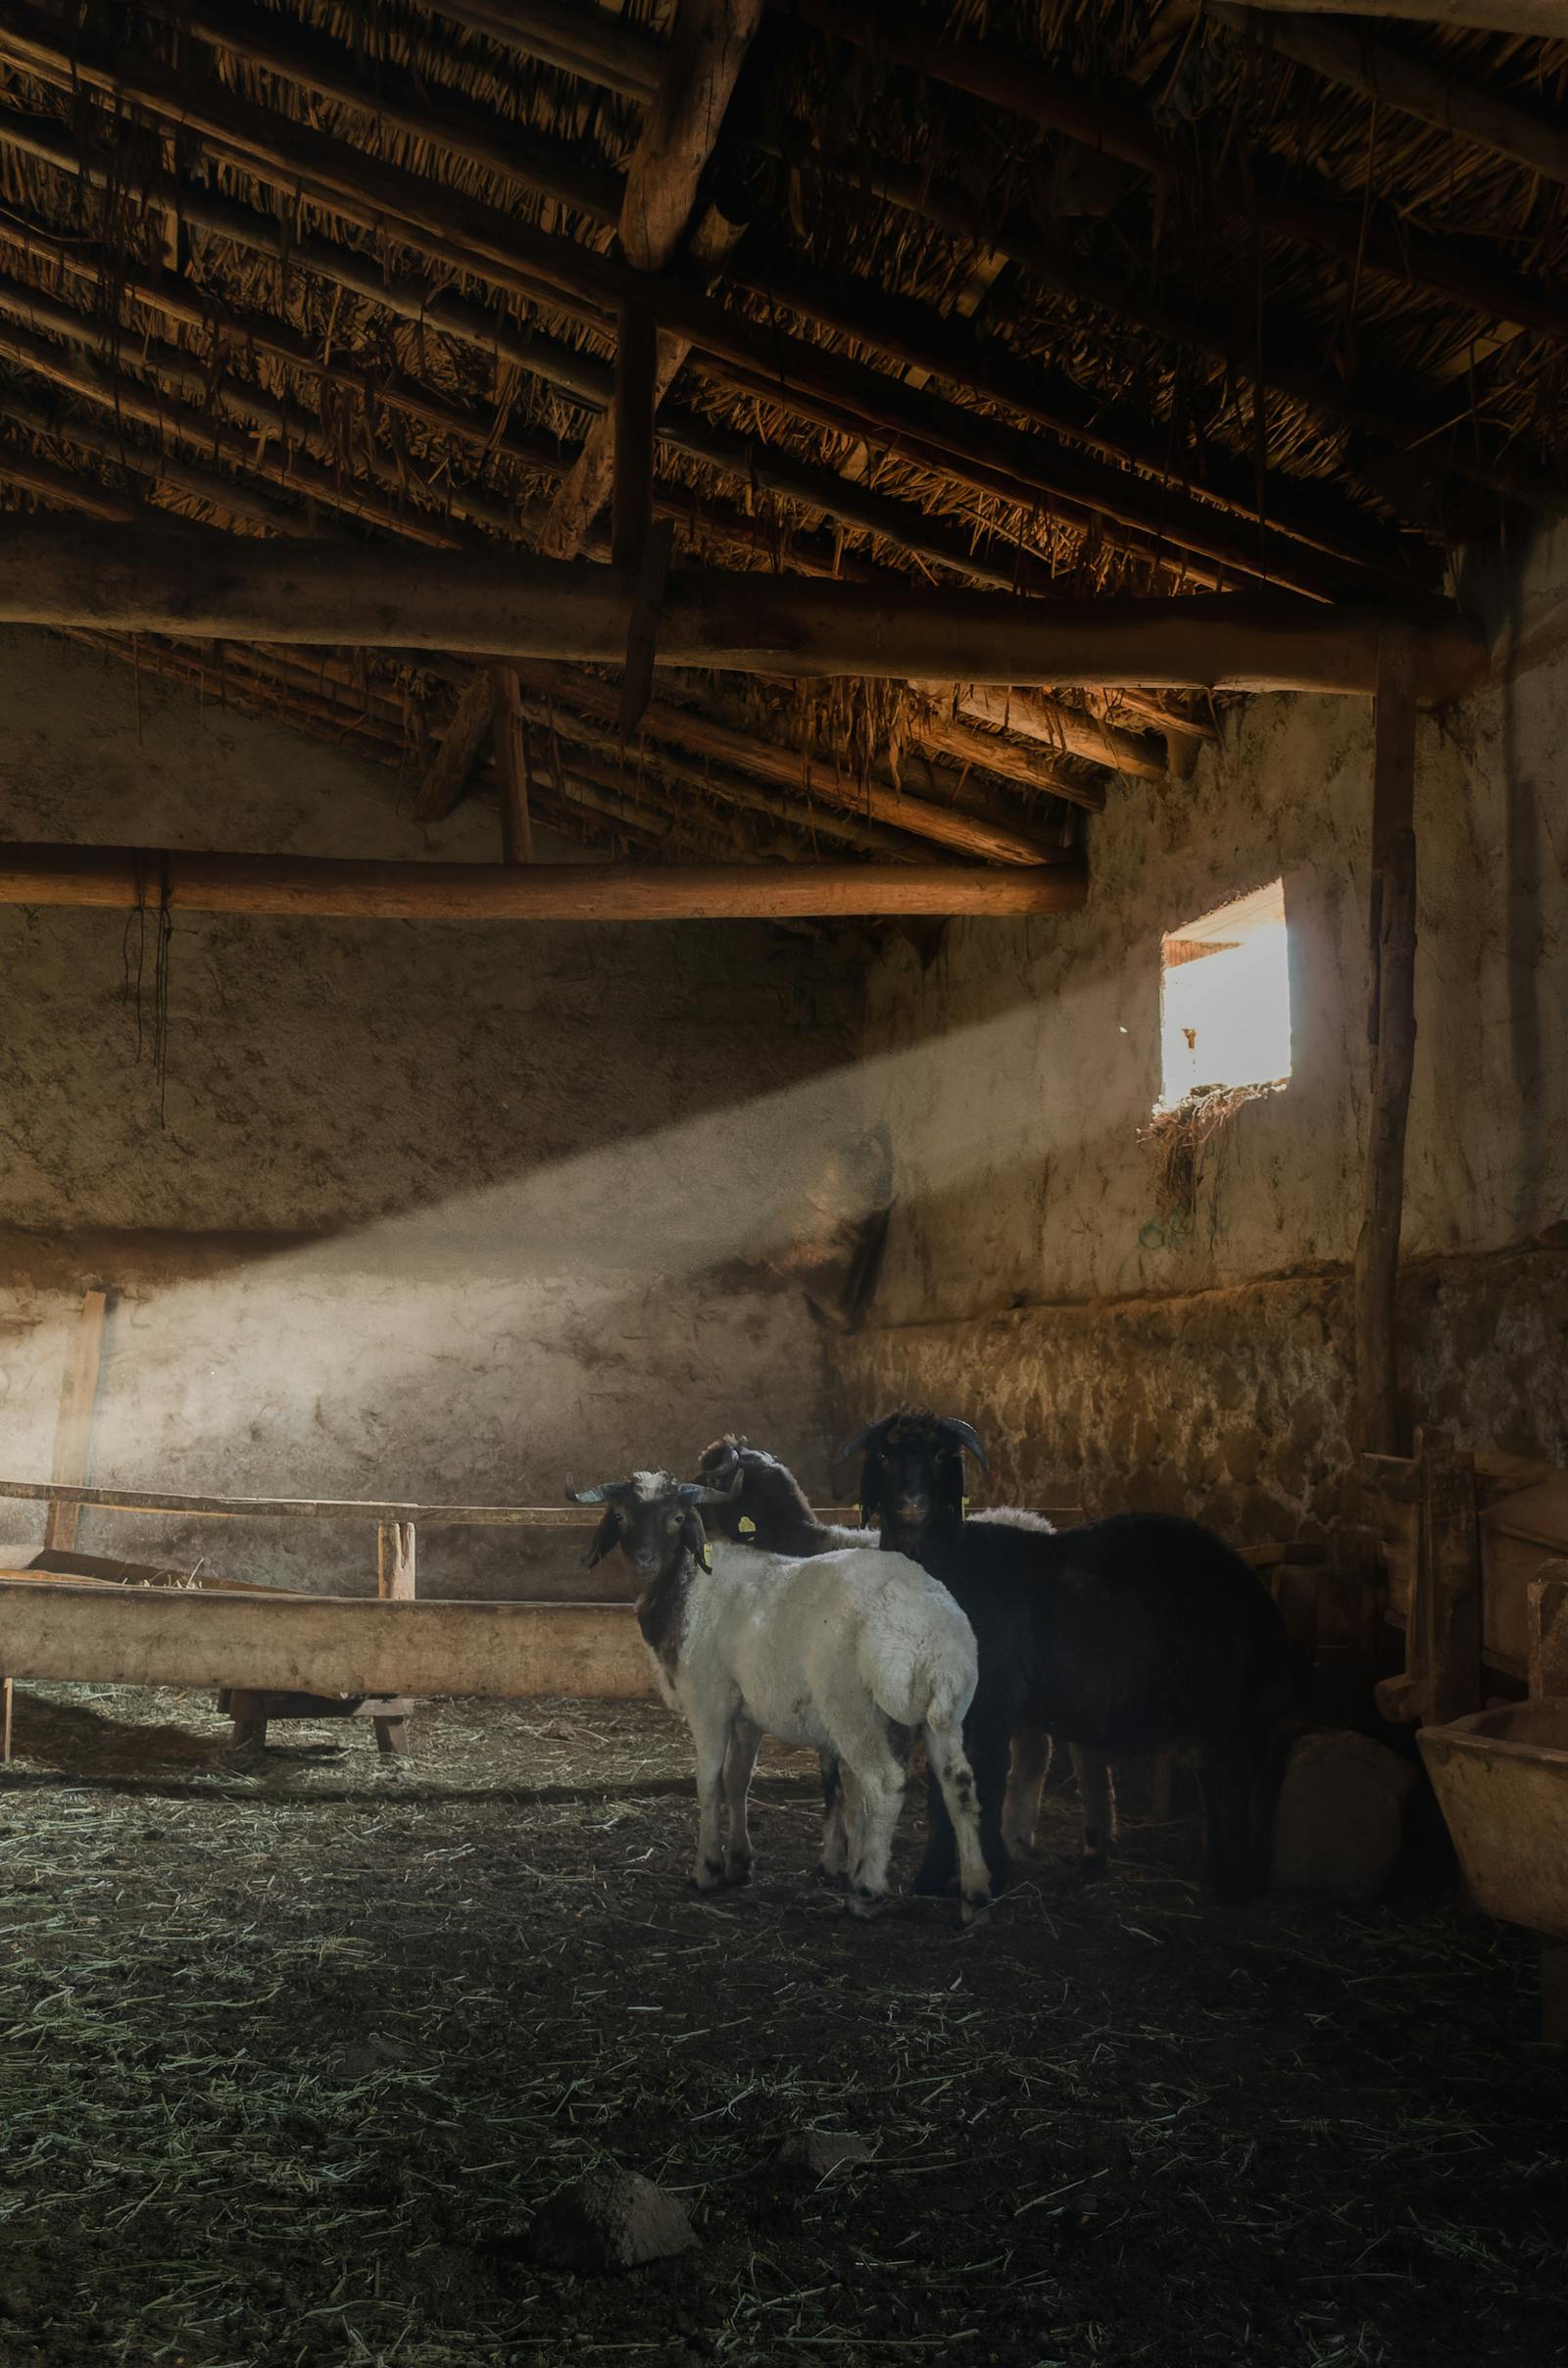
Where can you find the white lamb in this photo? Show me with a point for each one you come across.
(854, 1652)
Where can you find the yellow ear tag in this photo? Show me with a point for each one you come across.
(964, 1506)
(748, 1527)
(708, 1557)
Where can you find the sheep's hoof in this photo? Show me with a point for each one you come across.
(709, 1878)
(834, 1878)
(866, 1904)
(738, 1871)
(976, 1903)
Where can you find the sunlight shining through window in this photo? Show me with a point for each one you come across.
(1226, 999)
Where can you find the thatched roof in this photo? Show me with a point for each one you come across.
(1063, 297)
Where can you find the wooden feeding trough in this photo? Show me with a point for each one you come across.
(301, 1671)
(1474, 1549)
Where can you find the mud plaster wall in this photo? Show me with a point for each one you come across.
(1115, 1357)
(438, 1212)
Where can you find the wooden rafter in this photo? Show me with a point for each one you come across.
(62, 573)
(124, 878)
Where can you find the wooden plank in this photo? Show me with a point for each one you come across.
(512, 766)
(205, 586)
(377, 1510)
(1392, 1034)
(395, 1563)
(1450, 1588)
(74, 1427)
(120, 879)
(318, 1643)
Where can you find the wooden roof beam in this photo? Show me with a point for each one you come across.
(120, 879)
(205, 587)
(1354, 58)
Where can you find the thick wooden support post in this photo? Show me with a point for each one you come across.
(73, 1430)
(1450, 1581)
(395, 1583)
(512, 766)
(632, 488)
(1392, 1033)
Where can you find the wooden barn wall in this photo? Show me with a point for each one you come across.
(434, 1211)
(1118, 1356)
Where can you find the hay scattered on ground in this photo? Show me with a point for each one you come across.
(291, 2049)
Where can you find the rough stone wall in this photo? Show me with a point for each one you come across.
(428, 1211)
(1119, 1356)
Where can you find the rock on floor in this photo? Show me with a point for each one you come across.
(610, 2220)
(1341, 1817)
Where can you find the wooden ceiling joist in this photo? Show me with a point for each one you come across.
(121, 879)
(62, 573)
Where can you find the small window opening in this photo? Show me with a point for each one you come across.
(1226, 1001)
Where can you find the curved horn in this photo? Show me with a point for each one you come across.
(695, 1492)
(596, 1495)
(966, 1436)
(724, 1458)
(871, 1437)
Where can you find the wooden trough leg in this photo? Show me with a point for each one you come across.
(249, 1714)
(391, 1736)
(6, 1694)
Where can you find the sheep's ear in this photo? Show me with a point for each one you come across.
(606, 1537)
(694, 1541)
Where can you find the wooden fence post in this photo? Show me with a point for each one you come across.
(1449, 1606)
(1391, 1029)
(395, 1582)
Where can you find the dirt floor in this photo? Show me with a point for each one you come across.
(292, 2049)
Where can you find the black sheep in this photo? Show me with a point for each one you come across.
(1139, 1634)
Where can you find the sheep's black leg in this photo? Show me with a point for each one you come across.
(1234, 1818)
(990, 1743)
(939, 1868)
(833, 1866)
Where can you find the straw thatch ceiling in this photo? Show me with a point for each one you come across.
(1061, 297)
